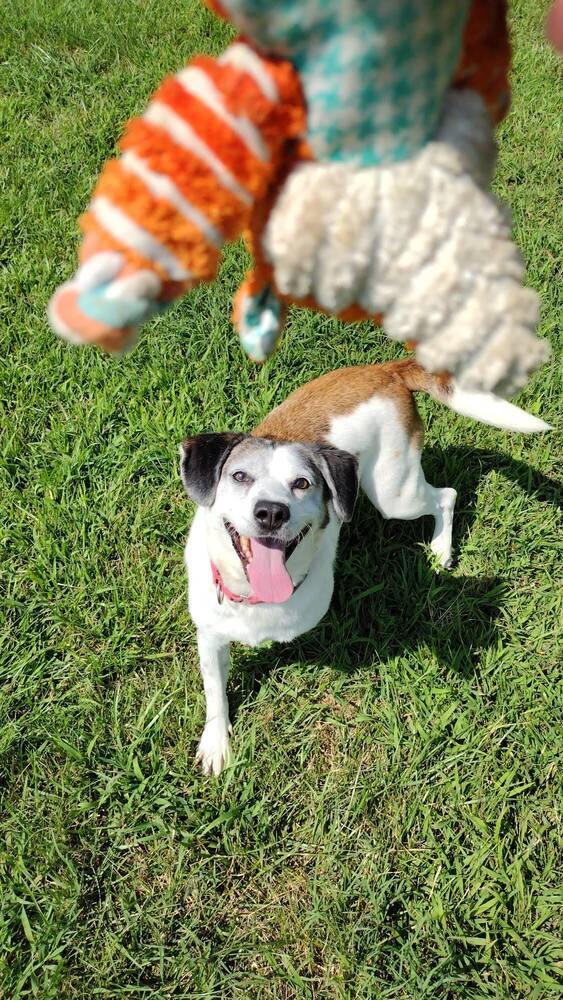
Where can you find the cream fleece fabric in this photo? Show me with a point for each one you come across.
(424, 243)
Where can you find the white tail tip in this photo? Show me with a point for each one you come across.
(493, 410)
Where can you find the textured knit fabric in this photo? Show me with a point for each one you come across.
(374, 74)
(193, 167)
(365, 229)
(453, 284)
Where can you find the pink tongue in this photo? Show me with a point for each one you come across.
(267, 574)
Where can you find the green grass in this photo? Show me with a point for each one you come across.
(390, 826)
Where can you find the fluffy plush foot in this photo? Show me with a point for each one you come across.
(394, 238)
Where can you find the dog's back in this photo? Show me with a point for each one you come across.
(307, 414)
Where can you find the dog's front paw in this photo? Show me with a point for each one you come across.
(214, 750)
(443, 556)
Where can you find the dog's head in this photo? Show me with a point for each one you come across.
(269, 503)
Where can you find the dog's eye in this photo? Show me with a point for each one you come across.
(241, 477)
(301, 484)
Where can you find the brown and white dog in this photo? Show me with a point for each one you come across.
(261, 549)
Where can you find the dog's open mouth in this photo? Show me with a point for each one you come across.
(264, 562)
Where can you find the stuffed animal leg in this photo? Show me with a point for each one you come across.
(193, 167)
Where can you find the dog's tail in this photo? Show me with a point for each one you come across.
(483, 406)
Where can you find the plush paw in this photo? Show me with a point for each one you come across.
(108, 312)
(214, 750)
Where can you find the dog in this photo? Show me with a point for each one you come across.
(270, 506)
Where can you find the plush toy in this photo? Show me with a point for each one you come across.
(352, 141)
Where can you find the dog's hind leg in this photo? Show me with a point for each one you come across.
(213, 752)
(444, 502)
(397, 487)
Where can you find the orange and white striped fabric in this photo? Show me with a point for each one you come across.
(193, 167)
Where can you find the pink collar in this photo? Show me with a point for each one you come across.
(223, 590)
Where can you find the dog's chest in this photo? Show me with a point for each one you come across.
(254, 624)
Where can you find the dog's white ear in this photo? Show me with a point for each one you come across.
(340, 472)
(201, 463)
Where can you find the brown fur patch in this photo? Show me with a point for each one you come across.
(306, 414)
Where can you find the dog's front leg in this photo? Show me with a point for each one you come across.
(214, 747)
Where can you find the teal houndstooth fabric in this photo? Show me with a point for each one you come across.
(374, 72)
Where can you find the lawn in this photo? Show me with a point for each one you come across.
(390, 827)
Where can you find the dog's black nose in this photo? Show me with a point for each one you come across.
(270, 514)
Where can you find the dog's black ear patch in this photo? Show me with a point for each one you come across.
(340, 472)
(202, 461)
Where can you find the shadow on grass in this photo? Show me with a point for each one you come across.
(388, 600)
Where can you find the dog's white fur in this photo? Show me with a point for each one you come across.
(391, 475)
